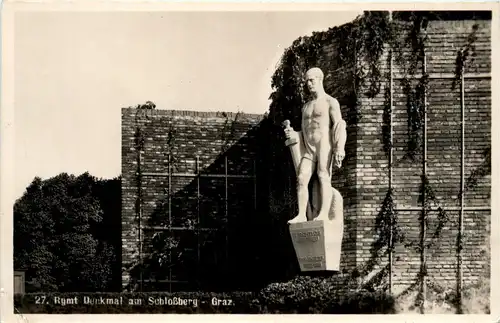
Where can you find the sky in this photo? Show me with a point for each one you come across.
(74, 71)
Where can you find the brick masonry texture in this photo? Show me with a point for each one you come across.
(443, 161)
(188, 138)
(363, 180)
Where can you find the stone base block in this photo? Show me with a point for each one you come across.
(317, 244)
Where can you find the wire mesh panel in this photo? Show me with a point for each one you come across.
(212, 202)
(477, 144)
(188, 220)
(407, 165)
(213, 262)
(443, 142)
(476, 264)
(184, 202)
(441, 242)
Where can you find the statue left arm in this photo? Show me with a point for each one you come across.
(339, 133)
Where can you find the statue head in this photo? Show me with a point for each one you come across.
(314, 80)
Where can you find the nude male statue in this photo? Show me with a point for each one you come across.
(322, 138)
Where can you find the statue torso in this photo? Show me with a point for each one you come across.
(316, 119)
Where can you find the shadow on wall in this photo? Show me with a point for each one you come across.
(251, 247)
(242, 245)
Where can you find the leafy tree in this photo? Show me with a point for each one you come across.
(58, 240)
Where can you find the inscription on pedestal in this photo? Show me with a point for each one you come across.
(317, 245)
(308, 243)
(312, 262)
(304, 236)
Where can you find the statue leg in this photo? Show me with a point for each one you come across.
(325, 179)
(306, 169)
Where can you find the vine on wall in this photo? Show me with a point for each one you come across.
(160, 240)
(228, 131)
(415, 107)
(481, 171)
(171, 158)
(361, 46)
(387, 143)
(139, 142)
(387, 224)
(464, 55)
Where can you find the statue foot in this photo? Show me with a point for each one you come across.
(298, 218)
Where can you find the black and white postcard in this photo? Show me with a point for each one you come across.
(257, 159)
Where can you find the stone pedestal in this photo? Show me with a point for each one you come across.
(317, 244)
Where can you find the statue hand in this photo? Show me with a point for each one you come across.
(338, 158)
(290, 133)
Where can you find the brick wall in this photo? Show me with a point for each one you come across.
(443, 161)
(210, 138)
(363, 180)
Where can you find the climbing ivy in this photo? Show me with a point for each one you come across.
(139, 142)
(171, 158)
(227, 133)
(467, 53)
(374, 32)
(361, 45)
(481, 171)
(389, 232)
(387, 116)
(415, 107)
(409, 57)
(429, 201)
